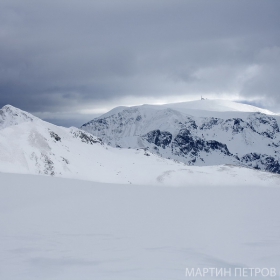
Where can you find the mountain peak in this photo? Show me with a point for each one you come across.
(199, 108)
(217, 105)
(10, 115)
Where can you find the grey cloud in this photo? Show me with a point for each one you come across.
(266, 75)
(65, 56)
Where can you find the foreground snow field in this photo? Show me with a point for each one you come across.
(54, 228)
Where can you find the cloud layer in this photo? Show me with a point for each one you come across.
(74, 56)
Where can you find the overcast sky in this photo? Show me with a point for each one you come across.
(68, 61)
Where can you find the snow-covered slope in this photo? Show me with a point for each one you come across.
(204, 132)
(200, 108)
(216, 106)
(38, 147)
(10, 115)
(60, 229)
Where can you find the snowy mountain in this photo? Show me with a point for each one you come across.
(221, 216)
(10, 115)
(31, 146)
(202, 133)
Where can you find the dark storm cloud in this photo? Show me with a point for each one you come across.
(66, 56)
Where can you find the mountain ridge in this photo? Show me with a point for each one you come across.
(32, 146)
(205, 105)
(248, 138)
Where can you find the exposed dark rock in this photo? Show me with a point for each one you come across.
(159, 138)
(55, 136)
(48, 165)
(65, 160)
(186, 143)
(264, 125)
(86, 137)
(96, 124)
(250, 157)
(212, 145)
(235, 125)
(210, 123)
(261, 161)
(190, 124)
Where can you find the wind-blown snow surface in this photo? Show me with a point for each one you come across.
(62, 229)
(200, 108)
(215, 106)
(205, 132)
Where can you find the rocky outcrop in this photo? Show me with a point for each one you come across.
(261, 161)
(184, 143)
(159, 138)
(264, 125)
(85, 137)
